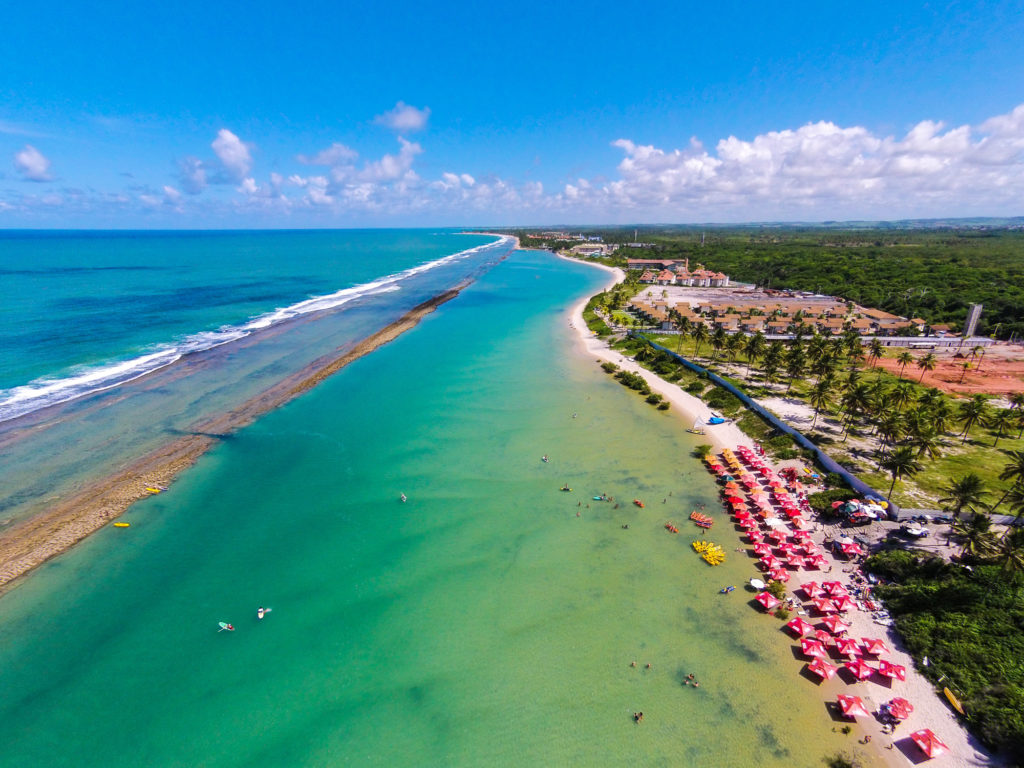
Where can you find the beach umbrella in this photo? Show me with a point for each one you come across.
(755, 536)
(811, 549)
(786, 547)
(847, 646)
(767, 600)
(794, 560)
(812, 589)
(852, 549)
(800, 626)
(822, 668)
(873, 646)
(900, 708)
(747, 525)
(777, 535)
(852, 706)
(835, 588)
(779, 574)
(817, 560)
(735, 500)
(823, 605)
(835, 624)
(757, 584)
(811, 647)
(860, 669)
(769, 561)
(843, 603)
(824, 636)
(887, 669)
(929, 742)
(762, 548)
(798, 523)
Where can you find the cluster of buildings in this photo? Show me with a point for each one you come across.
(677, 272)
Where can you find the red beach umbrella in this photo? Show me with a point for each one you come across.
(847, 646)
(799, 626)
(823, 605)
(874, 646)
(798, 523)
(748, 525)
(735, 500)
(860, 669)
(779, 574)
(852, 706)
(835, 588)
(769, 562)
(828, 586)
(824, 636)
(843, 603)
(812, 589)
(929, 742)
(794, 560)
(852, 549)
(897, 671)
(762, 548)
(835, 624)
(767, 600)
(816, 560)
(755, 536)
(822, 669)
(811, 647)
(901, 709)
(777, 536)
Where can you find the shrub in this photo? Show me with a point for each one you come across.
(695, 387)
(702, 450)
(609, 367)
(776, 589)
(664, 406)
(782, 612)
(653, 398)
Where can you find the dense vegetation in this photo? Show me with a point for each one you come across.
(970, 625)
(934, 274)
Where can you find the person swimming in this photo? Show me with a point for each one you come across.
(403, 496)
(544, 458)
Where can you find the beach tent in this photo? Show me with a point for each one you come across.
(847, 646)
(835, 624)
(929, 742)
(799, 626)
(899, 708)
(822, 669)
(860, 669)
(823, 605)
(873, 646)
(897, 671)
(852, 706)
(812, 589)
(767, 600)
(811, 647)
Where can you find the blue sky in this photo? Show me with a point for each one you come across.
(326, 114)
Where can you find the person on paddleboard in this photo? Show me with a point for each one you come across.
(260, 613)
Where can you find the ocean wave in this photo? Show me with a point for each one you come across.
(47, 391)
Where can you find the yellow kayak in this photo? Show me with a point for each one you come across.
(153, 490)
(122, 525)
(954, 701)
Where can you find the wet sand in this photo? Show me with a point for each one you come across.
(30, 543)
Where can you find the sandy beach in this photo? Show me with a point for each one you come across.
(868, 741)
(26, 545)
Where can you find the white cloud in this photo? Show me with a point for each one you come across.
(391, 167)
(336, 154)
(233, 154)
(192, 175)
(32, 164)
(404, 118)
(171, 195)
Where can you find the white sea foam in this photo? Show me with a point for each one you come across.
(47, 391)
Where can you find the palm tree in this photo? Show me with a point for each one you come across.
(974, 353)
(734, 346)
(904, 358)
(1014, 472)
(753, 349)
(927, 363)
(926, 441)
(890, 427)
(966, 364)
(796, 362)
(819, 398)
(1000, 421)
(902, 395)
(875, 352)
(941, 415)
(718, 341)
(971, 412)
(975, 535)
(967, 492)
(1011, 551)
(901, 463)
(700, 335)
(683, 326)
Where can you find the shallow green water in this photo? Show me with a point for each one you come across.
(480, 623)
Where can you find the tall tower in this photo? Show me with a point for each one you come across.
(973, 314)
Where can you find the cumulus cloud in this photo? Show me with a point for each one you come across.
(336, 154)
(404, 118)
(821, 169)
(192, 175)
(233, 154)
(32, 164)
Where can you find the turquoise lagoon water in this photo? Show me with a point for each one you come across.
(482, 623)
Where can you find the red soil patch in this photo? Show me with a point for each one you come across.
(1002, 370)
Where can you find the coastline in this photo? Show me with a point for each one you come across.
(930, 710)
(32, 542)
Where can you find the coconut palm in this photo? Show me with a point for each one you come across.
(734, 346)
(753, 349)
(901, 463)
(964, 493)
(975, 352)
(1014, 473)
(902, 395)
(875, 352)
(700, 335)
(1000, 421)
(683, 326)
(927, 441)
(1010, 552)
(974, 535)
(904, 358)
(718, 341)
(965, 365)
(941, 415)
(927, 363)
(972, 412)
(796, 363)
(890, 427)
(819, 397)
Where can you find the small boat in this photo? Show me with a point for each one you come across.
(716, 420)
(726, 590)
(671, 528)
(638, 503)
(225, 627)
(154, 490)
(697, 428)
(954, 701)
(122, 525)
(565, 488)
(702, 520)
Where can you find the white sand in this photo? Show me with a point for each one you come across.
(930, 711)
